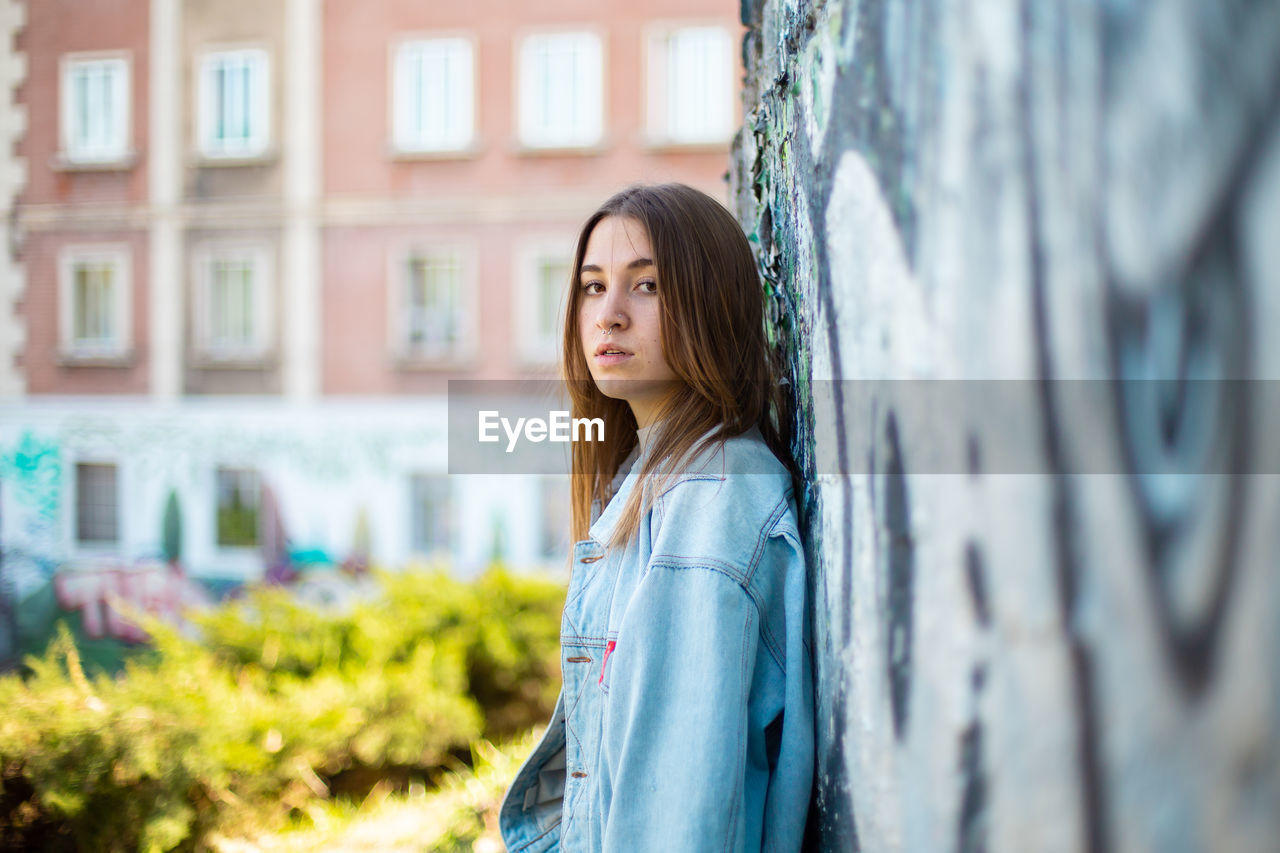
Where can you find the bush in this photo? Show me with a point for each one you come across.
(273, 705)
(459, 816)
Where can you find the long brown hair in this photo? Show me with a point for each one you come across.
(713, 338)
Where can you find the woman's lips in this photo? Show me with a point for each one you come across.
(608, 359)
(609, 354)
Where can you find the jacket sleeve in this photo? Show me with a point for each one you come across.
(675, 737)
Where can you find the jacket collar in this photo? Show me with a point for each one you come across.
(601, 529)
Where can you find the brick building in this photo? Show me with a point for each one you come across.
(250, 241)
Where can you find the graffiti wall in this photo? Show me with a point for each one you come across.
(141, 507)
(1054, 628)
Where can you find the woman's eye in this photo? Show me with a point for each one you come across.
(647, 285)
(593, 287)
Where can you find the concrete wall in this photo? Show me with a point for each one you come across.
(1027, 656)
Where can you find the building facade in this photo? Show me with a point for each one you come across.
(249, 243)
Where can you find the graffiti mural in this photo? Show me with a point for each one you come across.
(1075, 654)
(105, 598)
(32, 472)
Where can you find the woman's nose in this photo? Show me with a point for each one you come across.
(611, 314)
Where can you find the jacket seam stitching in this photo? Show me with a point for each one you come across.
(532, 841)
(690, 478)
(766, 629)
(765, 531)
(577, 640)
(706, 565)
(746, 680)
(678, 562)
(596, 567)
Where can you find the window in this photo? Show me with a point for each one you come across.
(542, 282)
(560, 90)
(434, 100)
(433, 317)
(97, 504)
(690, 85)
(94, 301)
(239, 500)
(95, 110)
(234, 316)
(234, 113)
(431, 514)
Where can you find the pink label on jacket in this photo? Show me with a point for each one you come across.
(608, 650)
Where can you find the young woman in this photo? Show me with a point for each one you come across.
(686, 718)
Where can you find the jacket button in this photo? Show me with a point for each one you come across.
(592, 559)
(578, 774)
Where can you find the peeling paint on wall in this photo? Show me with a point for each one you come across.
(1043, 192)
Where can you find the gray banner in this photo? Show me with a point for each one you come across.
(1152, 428)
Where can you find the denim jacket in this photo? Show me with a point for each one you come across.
(685, 722)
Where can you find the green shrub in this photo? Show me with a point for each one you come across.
(275, 702)
(459, 816)
(514, 662)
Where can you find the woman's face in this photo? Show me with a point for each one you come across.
(619, 317)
